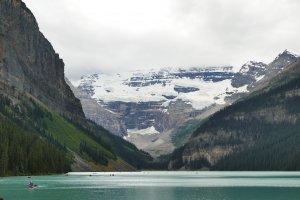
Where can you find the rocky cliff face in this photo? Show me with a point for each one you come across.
(29, 63)
(249, 74)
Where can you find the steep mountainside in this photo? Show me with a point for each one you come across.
(260, 132)
(154, 108)
(42, 125)
(29, 63)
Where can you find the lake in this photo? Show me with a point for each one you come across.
(156, 185)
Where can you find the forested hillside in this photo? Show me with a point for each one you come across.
(36, 140)
(22, 149)
(260, 132)
(24, 153)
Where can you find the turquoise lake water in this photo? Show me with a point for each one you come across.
(156, 185)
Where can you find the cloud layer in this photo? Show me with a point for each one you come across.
(95, 36)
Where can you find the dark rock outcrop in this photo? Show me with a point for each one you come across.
(29, 63)
(249, 73)
(181, 89)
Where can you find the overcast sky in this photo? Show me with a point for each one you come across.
(108, 36)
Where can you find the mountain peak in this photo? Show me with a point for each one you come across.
(286, 54)
(282, 61)
(252, 66)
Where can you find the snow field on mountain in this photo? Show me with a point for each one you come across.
(147, 131)
(112, 88)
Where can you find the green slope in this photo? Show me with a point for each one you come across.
(22, 149)
(69, 135)
(95, 145)
(22, 152)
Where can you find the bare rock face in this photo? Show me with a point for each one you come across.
(29, 63)
(249, 73)
(108, 119)
(278, 65)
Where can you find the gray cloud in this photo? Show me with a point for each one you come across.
(95, 36)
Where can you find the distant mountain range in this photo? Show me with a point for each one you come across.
(150, 107)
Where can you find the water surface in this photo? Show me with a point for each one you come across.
(156, 185)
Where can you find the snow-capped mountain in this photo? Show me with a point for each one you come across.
(196, 86)
(147, 107)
